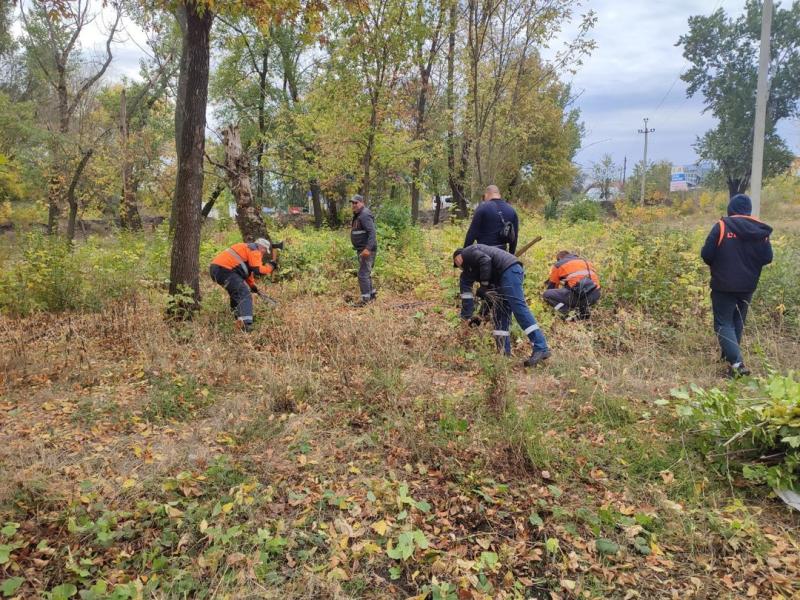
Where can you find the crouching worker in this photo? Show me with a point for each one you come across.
(573, 284)
(236, 268)
(500, 275)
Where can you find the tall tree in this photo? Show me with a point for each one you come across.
(190, 138)
(427, 32)
(723, 52)
(53, 41)
(604, 174)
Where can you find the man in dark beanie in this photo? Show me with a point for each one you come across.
(736, 249)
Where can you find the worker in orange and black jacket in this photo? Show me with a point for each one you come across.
(573, 284)
(236, 268)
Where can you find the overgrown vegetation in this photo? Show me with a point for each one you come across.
(757, 426)
(313, 460)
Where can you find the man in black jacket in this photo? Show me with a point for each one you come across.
(502, 271)
(736, 249)
(495, 222)
(365, 242)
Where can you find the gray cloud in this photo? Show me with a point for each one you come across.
(633, 74)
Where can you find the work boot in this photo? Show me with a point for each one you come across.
(363, 302)
(738, 370)
(242, 326)
(373, 295)
(537, 357)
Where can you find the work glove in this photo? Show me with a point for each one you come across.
(483, 292)
(254, 289)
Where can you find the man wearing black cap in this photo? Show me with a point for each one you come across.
(364, 239)
(736, 249)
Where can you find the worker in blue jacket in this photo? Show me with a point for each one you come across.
(736, 249)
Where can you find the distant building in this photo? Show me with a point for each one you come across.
(696, 173)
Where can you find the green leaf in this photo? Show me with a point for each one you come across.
(555, 490)
(641, 545)
(5, 552)
(11, 585)
(63, 591)
(489, 559)
(420, 539)
(551, 545)
(395, 573)
(678, 393)
(404, 548)
(535, 520)
(606, 546)
(423, 506)
(9, 529)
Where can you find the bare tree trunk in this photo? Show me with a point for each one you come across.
(416, 169)
(455, 180)
(129, 217)
(315, 202)
(53, 198)
(237, 168)
(437, 211)
(184, 276)
(212, 199)
(72, 198)
(737, 185)
(333, 211)
(262, 144)
(367, 160)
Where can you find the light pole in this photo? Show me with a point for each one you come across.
(646, 132)
(762, 93)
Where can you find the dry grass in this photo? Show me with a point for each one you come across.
(325, 402)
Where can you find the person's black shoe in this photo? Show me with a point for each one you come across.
(738, 370)
(537, 357)
(373, 295)
(363, 302)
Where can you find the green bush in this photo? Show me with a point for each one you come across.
(658, 272)
(777, 299)
(394, 216)
(316, 257)
(756, 427)
(582, 210)
(50, 275)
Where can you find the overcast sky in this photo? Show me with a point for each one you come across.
(633, 73)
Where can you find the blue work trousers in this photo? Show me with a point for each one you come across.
(730, 313)
(511, 300)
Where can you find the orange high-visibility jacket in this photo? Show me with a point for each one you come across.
(570, 270)
(246, 260)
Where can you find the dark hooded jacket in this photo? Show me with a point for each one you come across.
(485, 264)
(736, 249)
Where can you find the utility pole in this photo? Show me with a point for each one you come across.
(762, 92)
(624, 170)
(646, 132)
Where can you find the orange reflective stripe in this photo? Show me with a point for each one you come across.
(721, 232)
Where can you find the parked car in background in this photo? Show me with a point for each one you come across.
(447, 202)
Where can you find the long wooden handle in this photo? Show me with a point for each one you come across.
(527, 246)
